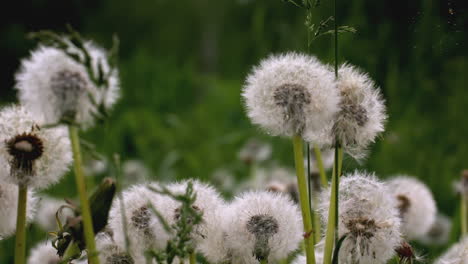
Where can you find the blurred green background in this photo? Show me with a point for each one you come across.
(183, 64)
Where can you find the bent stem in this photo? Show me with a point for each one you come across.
(323, 175)
(332, 225)
(20, 242)
(81, 186)
(304, 199)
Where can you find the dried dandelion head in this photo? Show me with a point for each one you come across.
(362, 111)
(29, 154)
(368, 217)
(292, 94)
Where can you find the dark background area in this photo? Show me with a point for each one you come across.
(183, 64)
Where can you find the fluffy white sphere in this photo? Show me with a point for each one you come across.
(416, 205)
(144, 229)
(262, 225)
(369, 218)
(46, 212)
(9, 206)
(292, 94)
(439, 232)
(111, 253)
(255, 151)
(42, 253)
(362, 111)
(29, 154)
(51, 83)
(457, 254)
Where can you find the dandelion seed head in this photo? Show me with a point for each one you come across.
(9, 206)
(29, 154)
(111, 253)
(416, 205)
(46, 213)
(368, 216)
(439, 232)
(42, 253)
(456, 254)
(362, 111)
(292, 94)
(262, 225)
(53, 84)
(255, 151)
(144, 229)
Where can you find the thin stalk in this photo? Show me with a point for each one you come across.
(304, 199)
(81, 186)
(319, 160)
(317, 224)
(464, 214)
(20, 242)
(192, 258)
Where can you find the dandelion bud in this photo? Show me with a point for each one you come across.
(457, 254)
(362, 111)
(262, 226)
(292, 94)
(42, 253)
(29, 154)
(47, 212)
(367, 216)
(416, 205)
(8, 207)
(50, 82)
(406, 253)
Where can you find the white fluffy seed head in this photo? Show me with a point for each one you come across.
(9, 206)
(255, 151)
(144, 229)
(439, 232)
(457, 254)
(209, 203)
(42, 253)
(292, 94)
(111, 253)
(262, 225)
(46, 213)
(368, 216)
(362, 111)
(416, 205)
(31, 155)
(51, 83)
(135, 171)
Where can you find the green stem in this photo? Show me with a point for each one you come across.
(192, 258)
(81, 186)
(264, 261)
(332, 225)
(304, 199)
(71, 252)
(319, 161)
(317, 225)
(464, 214)
(20, 242)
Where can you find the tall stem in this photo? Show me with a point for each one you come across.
(192, 258)
(318, 158)
(20, 242)
(464, 214)
(81, 186)
(304, 199)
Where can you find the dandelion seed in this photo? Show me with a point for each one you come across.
(416, 205)
(30, 155)
(53, 84)
(362, 111)
(292, 94)
(455, 254)
(8, 207)
(42, 253)
(262, 226)
(368, 217)
(46, 213)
